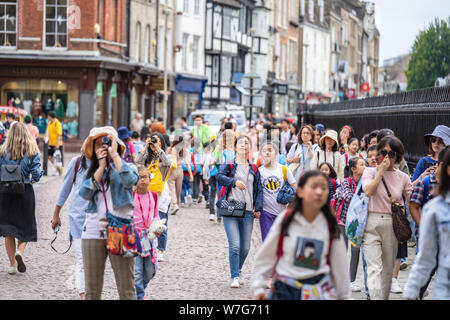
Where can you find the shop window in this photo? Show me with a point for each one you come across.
(8, 18)
(39, 97)
(56, 23)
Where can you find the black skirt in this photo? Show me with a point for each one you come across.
(17, 215)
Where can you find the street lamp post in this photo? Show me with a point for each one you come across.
(166, 13)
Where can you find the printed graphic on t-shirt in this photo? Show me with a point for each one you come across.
(307, 253)
(272, 184)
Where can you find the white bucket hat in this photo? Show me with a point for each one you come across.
(330, 134)
(98, 132)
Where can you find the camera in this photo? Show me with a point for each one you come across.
(107, 141)
(153, 140)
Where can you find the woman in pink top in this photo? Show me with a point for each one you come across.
(145, 210)
(380, 244)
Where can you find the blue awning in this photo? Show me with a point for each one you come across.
(190, 84)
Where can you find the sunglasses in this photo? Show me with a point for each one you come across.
(436, 139)
(384, 153)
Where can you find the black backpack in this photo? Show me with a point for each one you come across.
(11, 179)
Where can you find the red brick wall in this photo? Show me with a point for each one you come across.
(82, 16)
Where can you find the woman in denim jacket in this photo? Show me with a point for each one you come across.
(108, 187)
(434, 247)
(243, 183)
(17, 214)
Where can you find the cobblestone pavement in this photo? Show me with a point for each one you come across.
(195, 266)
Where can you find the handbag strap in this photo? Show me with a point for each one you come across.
(387, 189)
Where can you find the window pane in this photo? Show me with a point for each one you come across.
(11, 39)
(2, 24)
(64, 2)
(50, 12)
(62, 27)
(2, 39)
(62, 39)
(50, 40)
(51, 2)
(62, 11)
(50, 26)
(2, 11)
(11, 10)
(10, 25)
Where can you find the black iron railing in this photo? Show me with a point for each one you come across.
(409, 114)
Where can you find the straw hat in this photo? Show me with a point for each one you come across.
(96, 133)
(330, 134)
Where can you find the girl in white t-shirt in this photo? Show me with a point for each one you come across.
(273, 176)
(304, 251)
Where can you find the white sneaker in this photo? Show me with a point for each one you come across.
(189, 200)
(395, 288)
(175, 210)
(12, 270)
(235, 283)
(160, 255)
(354, 287)
(212, 217)
(241, 279)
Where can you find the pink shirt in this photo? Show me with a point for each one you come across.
(34, 131)
(143, 218)
(398, 184)
(132, 147)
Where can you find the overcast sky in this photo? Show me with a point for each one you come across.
(400, 21)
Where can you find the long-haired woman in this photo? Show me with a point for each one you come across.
(300, 155)
(304, 250)
(243, 183)
(108, 186)
(17, 214)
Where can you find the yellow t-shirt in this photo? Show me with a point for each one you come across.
(54, 130)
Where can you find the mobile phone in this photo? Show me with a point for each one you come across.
(380, 159)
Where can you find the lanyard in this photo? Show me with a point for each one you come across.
(146, 225)
(303, 156)
(104, 194)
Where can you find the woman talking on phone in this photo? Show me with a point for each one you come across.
(380, 244)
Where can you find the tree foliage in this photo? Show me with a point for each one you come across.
(430, 57)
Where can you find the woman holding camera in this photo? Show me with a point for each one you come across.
(380, 244)
(153, 157)
(108, 185)
(17, 214)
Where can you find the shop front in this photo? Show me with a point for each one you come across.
(280, 100)
(82, 94)
(155, 94)
(189, 94)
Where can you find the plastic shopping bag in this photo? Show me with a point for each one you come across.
(357, 217)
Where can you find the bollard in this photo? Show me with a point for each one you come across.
(45, 159)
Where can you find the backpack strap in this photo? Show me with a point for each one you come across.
(333, 184)
(255, 168)
(318, 159)
(77, 166)
(426, 184)
(329, 245)
(280, 241)
(284, 173)
(346, 158)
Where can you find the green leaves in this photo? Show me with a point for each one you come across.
(430, 57)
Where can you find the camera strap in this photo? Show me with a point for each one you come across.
(56, 235)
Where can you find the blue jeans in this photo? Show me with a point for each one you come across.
(366, 288)
(162, 239)
(144, 271)
(239, 234)
(186, 188)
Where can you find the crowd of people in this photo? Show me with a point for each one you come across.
(298, 181)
